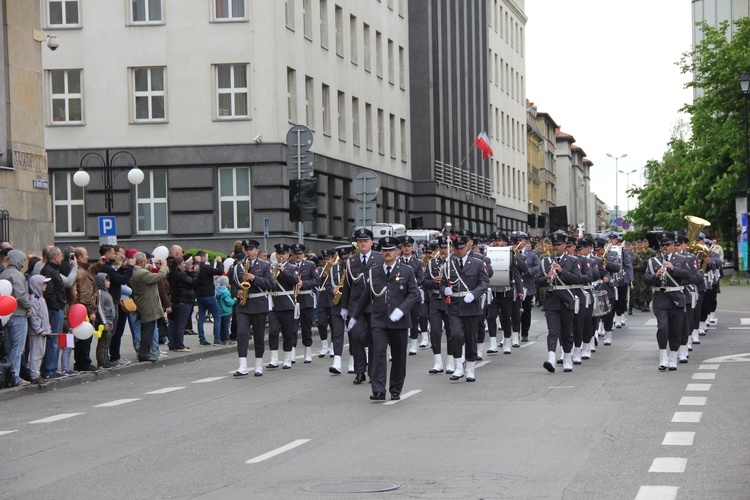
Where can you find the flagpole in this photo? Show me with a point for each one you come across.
(467, 153)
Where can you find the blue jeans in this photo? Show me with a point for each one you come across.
(223, 321)
(16, 326)
(210, 304)
(135, 329)
(51, 359)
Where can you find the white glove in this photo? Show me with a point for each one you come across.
(468, 298)
(344, 313)
(396, 315)
(351, 324)
(448, 291)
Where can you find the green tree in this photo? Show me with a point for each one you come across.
(701, 174)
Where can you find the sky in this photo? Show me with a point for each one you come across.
(605, 72)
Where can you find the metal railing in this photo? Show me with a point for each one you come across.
(461, 178)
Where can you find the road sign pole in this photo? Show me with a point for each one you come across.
(300, 224)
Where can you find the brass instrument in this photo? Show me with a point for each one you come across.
(695, 225)
(604, 255)
(327, 272)
(515, 248)
(339, 289)
(545, 243)
(279, 269)
(245, 290)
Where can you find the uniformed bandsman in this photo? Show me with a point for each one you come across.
(323, 307)
(307, 273)
(251, 279)
(282, 315)
(407, 257)
(506, 301)
(582, 328)
(433, 276)
(334, 288)
(465, 281)
(533, 268)
(691, 291)
(622, 280)
(391, 295)
(559, 273)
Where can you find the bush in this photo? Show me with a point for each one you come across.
(210, 254)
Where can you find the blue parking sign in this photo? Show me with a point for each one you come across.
(107, 226)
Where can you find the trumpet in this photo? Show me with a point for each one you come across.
(279, 269)
(245, 290)
(327, 272)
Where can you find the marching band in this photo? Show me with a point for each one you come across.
(384, 299)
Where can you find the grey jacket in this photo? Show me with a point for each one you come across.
(13, 274)
(107, 308)
(39, 320)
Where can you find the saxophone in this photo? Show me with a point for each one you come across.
(339, 288)
(245, 290)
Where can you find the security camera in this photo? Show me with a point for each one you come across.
(258, 138)
(52, 42)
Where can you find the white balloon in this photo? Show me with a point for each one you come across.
(5, 287)
(160, 253)
(83, 331)
(4, 319)
(227, 264)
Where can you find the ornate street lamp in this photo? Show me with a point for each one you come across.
(110, 169)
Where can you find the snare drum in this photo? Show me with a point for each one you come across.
(601, 303)
(502, 265)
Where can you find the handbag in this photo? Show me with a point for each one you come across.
(128, 305)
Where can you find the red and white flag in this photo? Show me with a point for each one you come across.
(65, 340)
(483, 143)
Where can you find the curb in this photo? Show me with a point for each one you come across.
(86, 378)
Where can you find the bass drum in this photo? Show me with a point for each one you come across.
(502, 264)
(601, 304)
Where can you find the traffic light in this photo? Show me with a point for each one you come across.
(303, 200)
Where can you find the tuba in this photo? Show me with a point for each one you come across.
(245, 290)
(695, 225)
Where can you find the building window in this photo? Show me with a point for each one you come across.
(146, 12)
(355, 121)
(66, 96)
(339, 31)
(381, 132)
(324, 23)
(379, 54)
(353, 39)
(326, 109)
(152, 202)
(392, 136)
(68, 205)
(342, 116)
(229, 10)
(402, 68)
(366, 44)
(403, 140)
(63, 13)
(232, 91)
(289, 14)
(149, 95)
(309, 103)
(391, 66)
(291, 95)
(368, 126)
(307, 18)
(234, 199)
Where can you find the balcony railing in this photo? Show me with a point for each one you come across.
(461, 178)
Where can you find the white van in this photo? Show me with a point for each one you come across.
(380, 229)
(423, 234)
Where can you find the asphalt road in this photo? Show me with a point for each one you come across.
(190, 430)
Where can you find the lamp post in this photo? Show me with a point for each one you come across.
(745, 87)
(627, 182)
(109, 163)
(617, 187)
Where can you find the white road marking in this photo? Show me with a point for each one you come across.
(692, 401)
(703, 376)
(403, 396)
(744, 321)
(2, 433)
(678, 439)
(526, 344)
(650, 322)
(55, 418)
(657, 493)
(739, 328)
(116, 402)
(562, 387)
(165, 390)
(668, 464)
(698, 387)
(687, 416)
(277, 451)
(708, 367)
(640, 328)
(482, 363)
(731, 357)
(207, 380)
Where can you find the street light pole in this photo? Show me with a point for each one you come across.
(627, 182)
(745, 87)
(617, 186)
(81, 178)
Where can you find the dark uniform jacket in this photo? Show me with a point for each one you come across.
(257, 301)
(283, 291)
(556, 298)
(432, 289)
(384, 295)
(668, 291)
(356, 279)
(308, 275)
(473, 279)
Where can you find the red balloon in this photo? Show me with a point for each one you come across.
(76, 315)
(8, 305)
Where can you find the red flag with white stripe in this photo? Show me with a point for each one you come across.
(483, 143)
(65, 340)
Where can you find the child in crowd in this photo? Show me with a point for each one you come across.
(39, 327)
(226, 304)
(106, 317)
